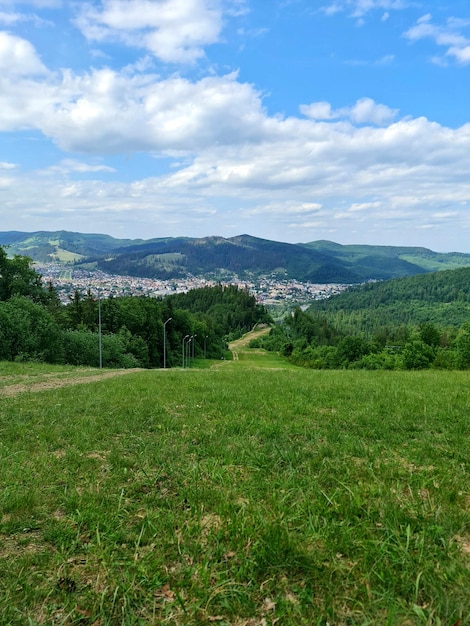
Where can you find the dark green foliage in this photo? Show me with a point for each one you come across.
(429, 334)
(174, 257)
(18, 278)
(81, 347)
(28, 332)
(134, 331)
(232, 311)
(352, 349)
(441, 298)
(462, 344)
(409, 323)
(417, 355)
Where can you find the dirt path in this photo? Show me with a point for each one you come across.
(31, 384)
(55, 381)
(240, 344)
(239, 348)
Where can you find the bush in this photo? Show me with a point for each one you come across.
(417, 355)
(28, 332)
(377, 361)
(81, 347)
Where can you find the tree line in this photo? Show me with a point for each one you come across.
(442, 298)
(309, 339)
(131, 331)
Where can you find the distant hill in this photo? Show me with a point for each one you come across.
(442, 298)
(396, 259)
(244, 255)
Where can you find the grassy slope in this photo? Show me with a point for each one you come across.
(237, 495)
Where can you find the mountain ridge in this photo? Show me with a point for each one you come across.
(242, 255)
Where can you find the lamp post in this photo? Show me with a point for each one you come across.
(194, 343)
(183, 346)
(205, 345)
(100, 346)
(164, 341)
(188, 351)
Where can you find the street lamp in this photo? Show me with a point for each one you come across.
(164, 341)
(183, 346)
(100, 345)
(205, 344)
(194, 343)
(188, 351)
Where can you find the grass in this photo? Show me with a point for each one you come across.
(238, 496)
(17, 377)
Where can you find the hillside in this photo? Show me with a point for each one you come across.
(218, 257)
(398, 260)
(238, 495)
(439, 297)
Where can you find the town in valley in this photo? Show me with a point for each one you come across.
(270, 291)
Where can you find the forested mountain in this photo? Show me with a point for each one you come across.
(408, 323)
(245, 256)
(439, 297)
(396, 260)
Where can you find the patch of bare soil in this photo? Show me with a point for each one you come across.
(241, 345)
(245, 340)
(45, 385)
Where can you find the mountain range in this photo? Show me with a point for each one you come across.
(219, 257)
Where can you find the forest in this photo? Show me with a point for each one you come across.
(117, 332)
(416, 322)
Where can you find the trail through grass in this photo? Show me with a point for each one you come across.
(245, 357)
(36, 377)
(240, 496)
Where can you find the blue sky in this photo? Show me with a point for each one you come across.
(292, 120)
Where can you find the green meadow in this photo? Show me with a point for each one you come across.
(242, 494)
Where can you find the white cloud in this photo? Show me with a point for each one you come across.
(68, 166)
(361, 161)
(10, 18)
(462, 53)
(449, 36)
(317, 111)
(175, 31)
(7, 166)
(365, 111)
(18, 57)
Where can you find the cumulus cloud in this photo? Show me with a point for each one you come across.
(18, 57)
(448, 35)
(175, 31)
(358, 162)
(365, 111)
(149, 113)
